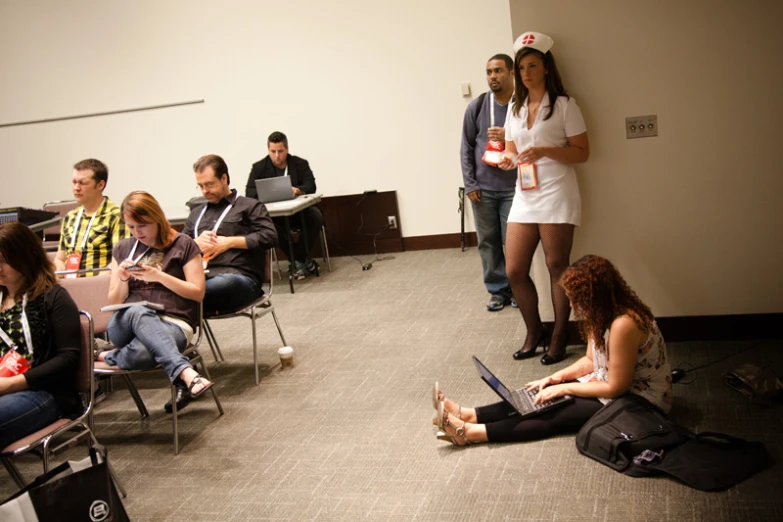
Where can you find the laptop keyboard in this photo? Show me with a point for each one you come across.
(528, 397)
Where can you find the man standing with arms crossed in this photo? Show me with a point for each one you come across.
(490, 189)
(90, 231)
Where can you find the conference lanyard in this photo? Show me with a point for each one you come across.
(89, 226)
(217, 223)
(491, 109)
(133, 251)
(25, 326)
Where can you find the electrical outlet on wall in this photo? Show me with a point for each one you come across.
(392, 222)
(641, 126)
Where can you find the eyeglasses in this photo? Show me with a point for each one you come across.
(208, 186)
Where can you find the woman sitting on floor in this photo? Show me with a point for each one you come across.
(625, 353)
(40, 330)
(161, 266)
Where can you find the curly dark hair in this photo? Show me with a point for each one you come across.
(599, 294)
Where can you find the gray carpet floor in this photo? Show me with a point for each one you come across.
(346, 434)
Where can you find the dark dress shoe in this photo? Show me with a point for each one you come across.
(525, 354)
(183, 399)
(547, 359)
(543, 338)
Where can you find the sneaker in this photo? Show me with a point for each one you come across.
(312, 266)
(497, 302)
(300, 271)
(514, 303)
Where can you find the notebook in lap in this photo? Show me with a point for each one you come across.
(521, 400)
(274, 189)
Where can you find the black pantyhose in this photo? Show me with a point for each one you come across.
(521, 242)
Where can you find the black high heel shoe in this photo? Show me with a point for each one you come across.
(527, 354)
(547, 359)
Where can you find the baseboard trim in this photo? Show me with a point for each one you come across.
(677, 329)
(439, 241)
(682, 329)
(736, 327)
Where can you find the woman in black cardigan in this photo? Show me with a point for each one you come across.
(40, 333)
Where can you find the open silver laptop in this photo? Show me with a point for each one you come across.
(274, 189)
(521, 399)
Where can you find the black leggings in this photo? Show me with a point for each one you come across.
(504, 425)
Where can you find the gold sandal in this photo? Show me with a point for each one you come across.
(459, 432)
(437, 396)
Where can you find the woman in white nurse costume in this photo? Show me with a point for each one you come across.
(545, 135)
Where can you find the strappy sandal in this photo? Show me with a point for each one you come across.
(198, 379)
(459, 438)
(437, 396)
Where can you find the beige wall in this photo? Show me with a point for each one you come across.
(369, 92)
(692, 217)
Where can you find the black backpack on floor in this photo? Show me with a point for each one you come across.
(632, 436)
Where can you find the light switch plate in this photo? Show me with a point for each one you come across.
(641, 126)
(466, 89)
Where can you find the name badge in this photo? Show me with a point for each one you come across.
(73, 262)
(528, 179)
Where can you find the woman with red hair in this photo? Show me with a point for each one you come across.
(161, 266)
(625, 353)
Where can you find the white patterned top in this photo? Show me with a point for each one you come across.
(652, 378)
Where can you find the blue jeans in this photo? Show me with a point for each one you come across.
(490, 215)
(227, 292)
(25, 412)
(145, 340)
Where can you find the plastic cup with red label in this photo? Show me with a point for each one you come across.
(494, 153)
(12, 364)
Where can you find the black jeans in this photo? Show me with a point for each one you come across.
(311, 220)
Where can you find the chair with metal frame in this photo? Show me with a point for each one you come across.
(255, 310)
(62, 208)
(325, 247)
(91, 293)
(81, 272)
(42, 440)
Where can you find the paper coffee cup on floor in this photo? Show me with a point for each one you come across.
(286, 354)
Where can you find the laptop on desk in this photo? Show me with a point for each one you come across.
(521, 400)
(271, 190)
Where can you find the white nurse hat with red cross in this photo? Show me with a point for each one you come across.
(537, 41)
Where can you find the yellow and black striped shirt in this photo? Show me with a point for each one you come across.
(107, 230)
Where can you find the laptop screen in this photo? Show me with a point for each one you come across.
(493, 381)
(271, 190)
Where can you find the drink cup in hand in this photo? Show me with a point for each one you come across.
(497, 134)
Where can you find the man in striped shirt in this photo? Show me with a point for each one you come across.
(90, 231)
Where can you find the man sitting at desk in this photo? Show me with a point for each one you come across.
(90, 231)
(233, 232)
(280, 163)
